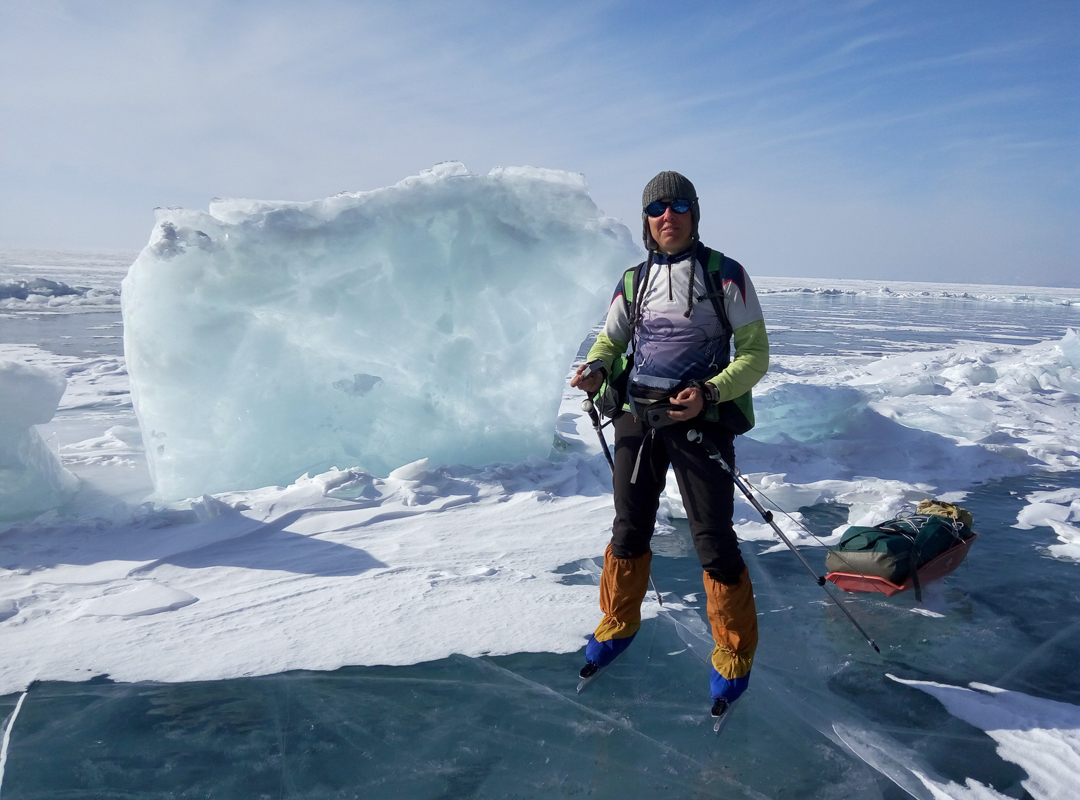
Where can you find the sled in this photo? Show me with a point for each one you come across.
(933, 570)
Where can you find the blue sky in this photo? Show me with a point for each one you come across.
(921, 141)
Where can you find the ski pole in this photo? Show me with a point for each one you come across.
(589, 407)
(655, 591)
(715, 455)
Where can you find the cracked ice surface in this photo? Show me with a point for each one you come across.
(407, 569)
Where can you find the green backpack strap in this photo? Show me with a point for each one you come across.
(632, 279)
(612, 394)
(628, 284)
(716, 260)
(714, 284)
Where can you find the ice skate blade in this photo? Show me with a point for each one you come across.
(721, 720)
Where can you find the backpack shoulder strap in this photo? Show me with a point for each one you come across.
(715, 263)
(633, 283)
(714, 284)
(628, 281)
(632, 279)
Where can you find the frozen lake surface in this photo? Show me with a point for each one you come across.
(419, 636)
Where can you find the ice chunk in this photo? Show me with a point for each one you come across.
(1070, 347)
(1059, 510)
(43, 287)
(435, 318)
(31, 477)
(806, 413)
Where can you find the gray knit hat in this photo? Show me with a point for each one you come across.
(673, 185)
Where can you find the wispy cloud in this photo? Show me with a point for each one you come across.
(109, 109)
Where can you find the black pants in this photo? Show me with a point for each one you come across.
(707, 491)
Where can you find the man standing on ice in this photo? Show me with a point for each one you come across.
(680, 310)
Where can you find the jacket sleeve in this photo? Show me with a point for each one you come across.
(751, 341)
(750, 364)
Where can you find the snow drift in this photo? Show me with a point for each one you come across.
(434, 318)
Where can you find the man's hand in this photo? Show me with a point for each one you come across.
(692, 400)
(589, 383)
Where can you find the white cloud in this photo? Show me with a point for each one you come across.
(800, 116)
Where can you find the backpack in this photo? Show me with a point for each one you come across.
(736, 415)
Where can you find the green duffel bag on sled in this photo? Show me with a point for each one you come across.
(894, 549)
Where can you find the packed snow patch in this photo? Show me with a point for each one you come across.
(1042, 736)
(144, 598)
(434, 318)
(343, 568)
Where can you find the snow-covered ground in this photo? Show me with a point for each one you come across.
(346, 568)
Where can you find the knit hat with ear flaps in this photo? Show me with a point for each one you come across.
(675, 186)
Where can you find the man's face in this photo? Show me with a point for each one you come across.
(671, 231)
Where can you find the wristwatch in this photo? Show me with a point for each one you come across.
(594, 366)
(709, 392)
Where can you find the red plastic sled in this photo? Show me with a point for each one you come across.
(933, 570)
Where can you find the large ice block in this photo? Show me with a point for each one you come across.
(31, 477)
(435, 318)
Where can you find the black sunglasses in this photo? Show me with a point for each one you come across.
(657, 207)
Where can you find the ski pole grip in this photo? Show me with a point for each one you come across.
(694, 435)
